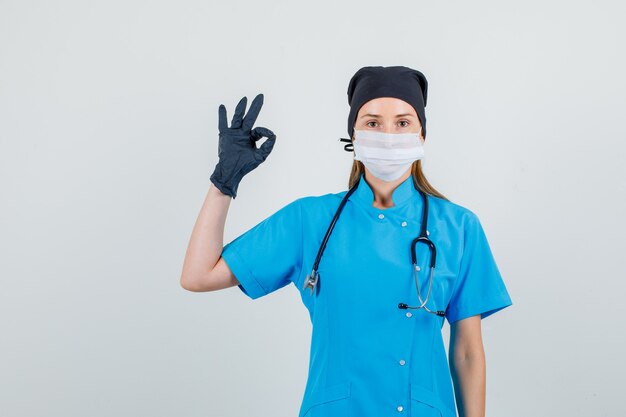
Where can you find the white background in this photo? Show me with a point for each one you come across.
(108, 130)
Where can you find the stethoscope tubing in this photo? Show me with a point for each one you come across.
(312, 279)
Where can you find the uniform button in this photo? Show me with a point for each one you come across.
(409, 314)
(400, 408)
(402, 362)
(381, 216)
(428, 233)
(403, 224)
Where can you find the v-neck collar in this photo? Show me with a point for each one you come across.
(403, 194)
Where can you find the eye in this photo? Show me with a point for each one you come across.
(371, 121)
(404, 121)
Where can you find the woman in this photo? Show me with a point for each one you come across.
(377, 347)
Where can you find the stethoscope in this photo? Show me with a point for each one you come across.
(312, 279)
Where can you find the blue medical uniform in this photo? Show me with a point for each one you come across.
(368, 357)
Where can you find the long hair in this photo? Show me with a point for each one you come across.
(416, 172)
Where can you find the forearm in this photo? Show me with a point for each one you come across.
(207, 240)
(469, 376)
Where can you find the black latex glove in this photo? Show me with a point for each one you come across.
(237, 149)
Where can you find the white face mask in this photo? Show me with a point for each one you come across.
(387, 155)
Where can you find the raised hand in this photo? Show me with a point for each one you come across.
(237, 150)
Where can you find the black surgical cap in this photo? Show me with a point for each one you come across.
(400, 82)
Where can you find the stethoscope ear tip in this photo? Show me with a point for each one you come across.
(349, 147)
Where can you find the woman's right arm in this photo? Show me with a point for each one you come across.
(204, 268)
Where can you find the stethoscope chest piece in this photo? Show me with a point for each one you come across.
(311, 281)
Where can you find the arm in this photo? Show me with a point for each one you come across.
(203, 268)
(467, 366)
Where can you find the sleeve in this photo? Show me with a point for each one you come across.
(479, 288)
(269, 255)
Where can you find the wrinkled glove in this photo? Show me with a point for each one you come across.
(237, 149)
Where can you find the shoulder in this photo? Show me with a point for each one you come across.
(455, 214)
(319, 208)
(310, 203)
(321, 200)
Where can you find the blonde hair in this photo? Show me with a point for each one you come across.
(416, 172)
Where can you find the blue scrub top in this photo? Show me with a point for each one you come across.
(368, 357)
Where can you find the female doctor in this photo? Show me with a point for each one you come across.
(378, 266)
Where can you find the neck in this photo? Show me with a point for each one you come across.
(383, 190)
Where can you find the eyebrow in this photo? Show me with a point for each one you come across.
(378, 115)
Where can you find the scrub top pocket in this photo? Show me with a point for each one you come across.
(332, 401)
(426, 403)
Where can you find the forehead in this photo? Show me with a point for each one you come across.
(387, 106)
